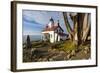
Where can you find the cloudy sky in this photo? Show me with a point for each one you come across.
(35, 21)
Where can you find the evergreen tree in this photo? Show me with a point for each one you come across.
(28, 42)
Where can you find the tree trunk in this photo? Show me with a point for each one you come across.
(67, 24)
(81, 28)
(86, 26)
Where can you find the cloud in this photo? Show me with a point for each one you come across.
(35, 21)
(38, 16)
(29, 25)
(30, 21)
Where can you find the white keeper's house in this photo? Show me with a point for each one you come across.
(53, 32)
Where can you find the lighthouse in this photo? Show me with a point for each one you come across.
(53, 32)
(51, 23)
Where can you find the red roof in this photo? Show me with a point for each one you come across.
(53, 28)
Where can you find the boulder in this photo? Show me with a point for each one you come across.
(73, 52)
(86, 50)
(68, 56)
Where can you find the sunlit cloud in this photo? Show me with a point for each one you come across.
(35, 21)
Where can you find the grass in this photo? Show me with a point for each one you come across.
(65, 45)
(68, 45)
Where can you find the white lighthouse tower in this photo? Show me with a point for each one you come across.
(51, 23)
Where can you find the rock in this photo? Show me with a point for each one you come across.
(40, 59)
(77, 50)
(32, 50)
(73, 52)
(58, 57)
(49, 50)
(44, 59)
(54, 49)
(68, 56)
(50, 59)
(65, 58)
(68, 51)
(62, 52)
(86, 50)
